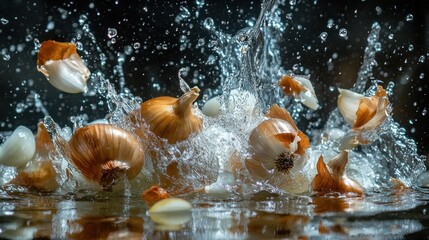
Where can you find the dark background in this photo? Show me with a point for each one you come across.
(151, 70)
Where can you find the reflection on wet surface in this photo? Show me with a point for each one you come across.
(377, 216)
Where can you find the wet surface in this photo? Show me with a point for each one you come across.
(135, 54)
(378, 216)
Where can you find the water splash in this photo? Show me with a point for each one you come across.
(250, 65)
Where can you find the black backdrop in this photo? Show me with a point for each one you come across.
(153, 25)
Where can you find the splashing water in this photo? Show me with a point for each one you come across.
(250, 67)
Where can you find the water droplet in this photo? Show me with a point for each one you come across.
(136, 45)
(79, 46)
(4, 21)
(200, 3)
(389, 88)
(323, 36)
(378, 10)
(295, 67)
(289, 16)
(6, 57)
(208, 23)
(64, 13)
(424, 112)
(343, 32)
(82, 19)
(330, 23)
(422, 75)
(292, 2)
(391, 36)
(20, 107)
(377, 46)
(128, 50)
(28, 38)
(50, 26)
(184, 14)
(422, 59)
(409, 17)
(411, 47)
(113, 41)
(112, 32)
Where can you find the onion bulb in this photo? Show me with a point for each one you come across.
(172, 118)
(104, 153)
(62, 66)
(276, 148)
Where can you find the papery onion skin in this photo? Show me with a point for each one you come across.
(53, 50)
(154, 194)
(104, 153)
(331, 178)
(363, 113)
(41, 176)
(275, 111)
(301, 88)
(62, 66)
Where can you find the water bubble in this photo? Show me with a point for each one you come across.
(330, 23)
(422, 59)
(343, 32)
(4, 21)
(136, 45)
(289, 16)
(411, 47)
(391, 36)
(323, 36)
(422, 75)
(91, 5)
(208, 23)
(112, 32)
(113, 41)
(409, 17)
(292, 2)
(424, 112)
